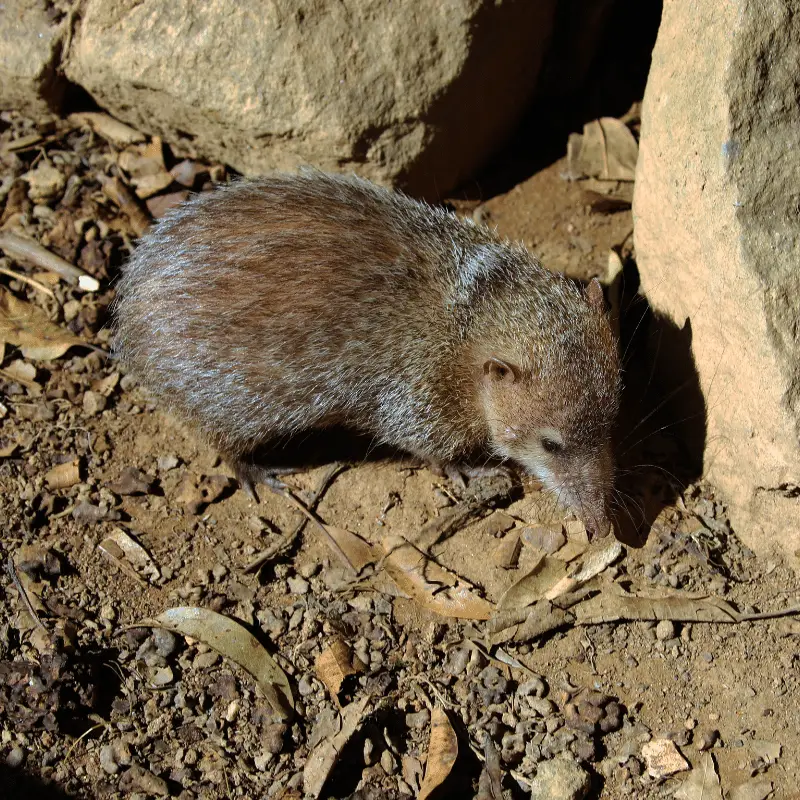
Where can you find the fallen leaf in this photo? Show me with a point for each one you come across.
(109, 128)
(129, 555)
(232, 640)
(506, 552)
(757, 789)
(616, 606)
(442, 753)
(702, 782)
(663, 758)
(62, 476)
(545, 538)
(359, 552)
(531, 587)
(322, 759)
(607, 150)
(594, 561)
(333, 665)
(430, 584)
(21, 371)
(490, 782)
(105, 386)
(26, 326)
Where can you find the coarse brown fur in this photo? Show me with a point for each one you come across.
(296, 302)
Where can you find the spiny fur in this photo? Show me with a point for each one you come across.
(273, 306)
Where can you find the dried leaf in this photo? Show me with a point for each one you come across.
(105, 386)
(490, 782)
(109, 128)
(442, 753)
(333, 665)
(359, 552)
(608, 607)
(323, 757)
(606, 150)
(702, 783)
(757, 789)
(27, 326)
(506, 553)
(129, 555)
(232, 640)
(430, 584)
(596, 559)
(62, 476)
(531, 587)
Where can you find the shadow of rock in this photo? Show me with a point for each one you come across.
(19, 786)
(661, 434)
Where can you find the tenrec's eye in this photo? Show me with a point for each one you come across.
(551, 446)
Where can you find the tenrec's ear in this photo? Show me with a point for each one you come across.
(499, 371)
(594, 294)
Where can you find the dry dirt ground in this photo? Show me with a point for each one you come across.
(92, 706)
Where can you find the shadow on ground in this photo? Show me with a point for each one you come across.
(662, 430)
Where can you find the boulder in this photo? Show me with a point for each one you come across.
(717, 234)
(414, 93)
(31, 34)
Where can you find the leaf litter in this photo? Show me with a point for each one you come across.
(231, 639)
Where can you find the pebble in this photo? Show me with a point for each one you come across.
(706, 739)
(93, 403)
(166, 643)
(560, 779)
(136, 777)
(419, 719)
(205, 660)
(15, 757)
(665, 630)
(388, 762)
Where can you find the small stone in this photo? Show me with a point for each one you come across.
(205, 660)
(663, 758)
(108, 761)
(706, 739)
(388, 762)
(45, 183)
(305, 685)
(131, 482)
(298, 585)
(232, 711)
(165, 642)
(665, 630)
(561, 778)
(93, 403)
(706, 656)
(108, 612)
(15, 757)
(163, 676)
(419, 719)
(219, 571)
(272, 738)
(137, 777)
(166, 463)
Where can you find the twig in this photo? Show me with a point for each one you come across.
(286, 540)
(12, 571)
(27, 250)
(21, 276)
(129, 204)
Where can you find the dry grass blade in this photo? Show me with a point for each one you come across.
(21, 276)
(128, 203)
(323, 757)
(28, 327)
(490, 782)
(430, 584)
(231, 639)
(442, 753)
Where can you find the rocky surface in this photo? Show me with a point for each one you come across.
(717, 237)
(31, 35)
(365, 86)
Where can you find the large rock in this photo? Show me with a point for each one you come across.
(415, 93)
(31, 33)
(717, 234)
